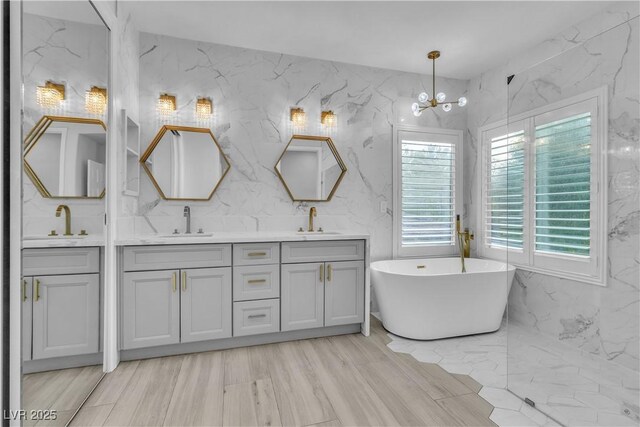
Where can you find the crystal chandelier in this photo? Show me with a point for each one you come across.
(439, 98)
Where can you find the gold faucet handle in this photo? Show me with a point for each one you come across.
(83, 233)
(53, 233)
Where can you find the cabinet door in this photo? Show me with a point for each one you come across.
(26, 290)
(344, 293)
(302, 296)
(65, 315)
(205, 304)
(151, 309)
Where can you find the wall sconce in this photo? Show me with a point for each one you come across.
(328, 119)
(95, 100)
(166, 104)
(204, 108)
(50, 95)
(298, 117)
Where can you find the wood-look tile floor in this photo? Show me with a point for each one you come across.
(338, 381)
(62, 390)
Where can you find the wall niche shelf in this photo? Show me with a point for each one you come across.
(131, 138)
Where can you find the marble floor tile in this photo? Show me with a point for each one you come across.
(567, 385)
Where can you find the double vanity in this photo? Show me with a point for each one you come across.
(193, 293)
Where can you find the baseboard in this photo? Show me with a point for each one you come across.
(234, 342)
(66, 362)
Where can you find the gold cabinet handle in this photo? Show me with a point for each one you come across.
(37, 290)
(329, 271)
(253, 281)
(184, 281)
(321, 272)
(24, 290)
(173, 281)
(257, 254)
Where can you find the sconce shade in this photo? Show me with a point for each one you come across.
(204, 108)
(50, 95)
(166, 104)
(95, 100)
(298, 117)
(328, 119)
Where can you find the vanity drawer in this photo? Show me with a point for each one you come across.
(256, 317)
(256, 282)
(165, 257)
(51, 262)
(318, 251)
(256, 253)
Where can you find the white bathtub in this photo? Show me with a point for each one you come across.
(427, 299)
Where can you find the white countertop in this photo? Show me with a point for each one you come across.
(240, 237)
(29, 242)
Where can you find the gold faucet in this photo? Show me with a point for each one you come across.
(312, 213)
(464, 242)
(67, 218)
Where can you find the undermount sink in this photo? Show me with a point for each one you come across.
(316, 233)
(187, 235)
(57, 237)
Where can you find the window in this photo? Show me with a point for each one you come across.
(427, 170)
(544, 189)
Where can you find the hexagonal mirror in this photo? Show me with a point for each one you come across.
(185, 163)
(310, 168)
(65, 157)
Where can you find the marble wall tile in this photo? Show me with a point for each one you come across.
(76, 54)
(252, 92)
(600, 320)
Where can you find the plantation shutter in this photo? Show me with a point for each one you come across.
(504, 190)
(563, 185)
(428, 182)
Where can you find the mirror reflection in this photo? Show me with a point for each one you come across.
(310, 168)
(65, 157)
(185, 163)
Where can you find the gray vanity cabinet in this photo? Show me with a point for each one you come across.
(302, 296)
(151, 308)
(65, 315)
(344, 293)
(329, 292)
(205, 304)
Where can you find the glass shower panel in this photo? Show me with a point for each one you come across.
(572, 226)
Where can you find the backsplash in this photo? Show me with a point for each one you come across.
(252, 92)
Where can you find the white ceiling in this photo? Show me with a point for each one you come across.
(473, 35)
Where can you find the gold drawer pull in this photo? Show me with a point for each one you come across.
(257, 254)
(24, 290)
(37, 290)
(256, 316)
(173, 281)
(252, 281)
(422, 266)
(329, 271)
(184, 281)
(321, 272)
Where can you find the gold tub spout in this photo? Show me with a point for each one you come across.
(464, 242)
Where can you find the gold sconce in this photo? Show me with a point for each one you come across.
(298, 117)
(328, 119)
(166, 104)
(204, 108)
(50, 95)
(95, 100)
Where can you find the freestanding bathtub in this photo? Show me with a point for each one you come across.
(427, 299)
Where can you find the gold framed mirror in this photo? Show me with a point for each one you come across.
(185, 163)
(310, 168)
(65, 157)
